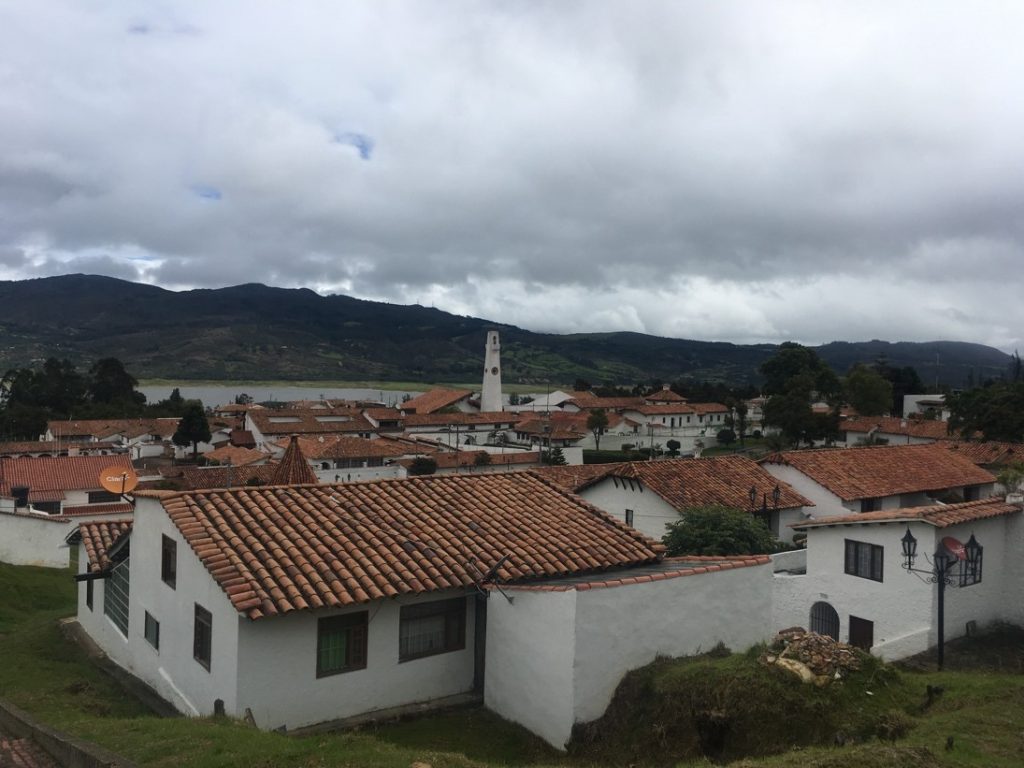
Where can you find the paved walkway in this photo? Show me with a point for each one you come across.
(22, 753)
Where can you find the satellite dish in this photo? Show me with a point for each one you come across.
(118, 480)
(955, 548)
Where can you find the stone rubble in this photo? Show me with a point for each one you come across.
(810, 656)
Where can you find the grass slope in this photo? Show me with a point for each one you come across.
(983, 712)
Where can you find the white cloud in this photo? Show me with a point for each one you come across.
(723, 170)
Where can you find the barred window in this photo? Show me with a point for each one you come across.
(426, 629)
(864, 560)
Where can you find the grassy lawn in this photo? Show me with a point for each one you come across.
(983, 711)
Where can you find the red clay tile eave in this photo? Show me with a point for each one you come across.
(375, 540)
(939, 516)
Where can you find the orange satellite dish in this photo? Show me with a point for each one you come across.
(118, 480)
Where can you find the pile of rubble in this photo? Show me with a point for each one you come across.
(812, 657)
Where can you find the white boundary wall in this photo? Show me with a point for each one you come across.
(554, 658)
(34, 539)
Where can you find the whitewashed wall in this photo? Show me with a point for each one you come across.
(555, 658)
(622, 628)
(902, 606)
(277, 668)
(651, 513)
(530, 656)
(34, 539)
(172, 671)
(826, 503)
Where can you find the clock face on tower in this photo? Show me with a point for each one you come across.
(494, 370)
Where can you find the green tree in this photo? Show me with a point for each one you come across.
(791, 413)
(793, 366)
(193, 428)
(715, 529)
(482, 459)
(422, 465)
(739, 420)
(868, 391)
(554, 457)
(110, 384)
(673, 447)
(597, 423)
(726, 437)
(997, 411)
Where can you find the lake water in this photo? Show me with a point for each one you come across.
(222, 394)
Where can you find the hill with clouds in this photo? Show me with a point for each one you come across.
(258, 332)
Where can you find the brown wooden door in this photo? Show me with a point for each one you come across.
(862, 633)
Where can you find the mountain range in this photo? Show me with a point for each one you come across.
(258, 332)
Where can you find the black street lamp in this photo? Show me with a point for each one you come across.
(941, 573)
(764, 513)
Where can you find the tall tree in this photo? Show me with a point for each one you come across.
(868, 391)
(193, 428)
(997, 411)
(795, 365)
(111, 384)
(597, 423)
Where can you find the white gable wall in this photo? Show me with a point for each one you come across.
(651, 513)
(171, 671)
(277, 667)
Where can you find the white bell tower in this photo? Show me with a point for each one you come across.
(490, 393)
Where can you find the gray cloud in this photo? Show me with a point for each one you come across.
(725, 170)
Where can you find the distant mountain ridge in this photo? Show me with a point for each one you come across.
(257, 332)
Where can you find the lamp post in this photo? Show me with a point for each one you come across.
(764, 513)
(943, 566)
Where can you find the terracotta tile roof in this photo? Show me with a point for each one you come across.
(665, 395)
(344, 447)
(98, 537)
(451, 459)
(657, 409)
(227, 477)
(236, 455)
(242, 438)
(935, 430)
(724, 480)
(384, 414)
(986, 452)
(703, 408)
(104, 428)
(286, 422)
(238, 408)
(435, 400)
(588, 402)
(118, 508)
(887, 470)
(559, 430)
(294, 469)
(54, 475)
(575, 477)
(669, 568)
(939, 515)
(451, 419)
(281, 549)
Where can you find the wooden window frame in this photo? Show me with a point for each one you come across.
(151, 631)
(202, 637)
(454, 612)
(169, 561)
(852, 558)
(629, 517)
(355, 626)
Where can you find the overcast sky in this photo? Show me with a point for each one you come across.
(754, 171)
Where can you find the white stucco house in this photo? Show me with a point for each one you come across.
(650, 495)
(854, 586)
(295, 605)
(843, 480)
(32, 538)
